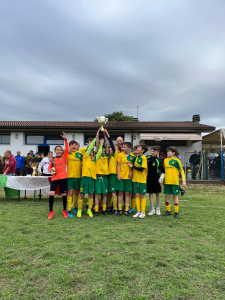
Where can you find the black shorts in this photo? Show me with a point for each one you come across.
(62, 185)
(153, 186)
(19, 171)
(49, 175)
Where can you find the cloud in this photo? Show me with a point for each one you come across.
(74, 60)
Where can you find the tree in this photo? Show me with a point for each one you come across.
(117, 116)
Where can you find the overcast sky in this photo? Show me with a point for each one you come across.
(75, 60)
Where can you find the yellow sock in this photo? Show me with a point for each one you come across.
(90, 203)
(75, 199)
(120, 206)
(109, 201)
(96, 208)
(168, 207)
(176, 208)
(127, 206)
(80, 204)
(115, 203)
(133, 201)
(143, 205)
(104, 207)
(138, 203)
(69, 202)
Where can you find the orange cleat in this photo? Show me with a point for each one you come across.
(65, 214)
(51, 214)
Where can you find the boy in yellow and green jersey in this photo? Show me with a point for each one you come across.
(140, 172)
(101, 182)
(113, 155)
(172, 167)
(124, 176)
(74, 166)
(87, 183)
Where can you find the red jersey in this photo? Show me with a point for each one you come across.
(60, 165)
(11, 164)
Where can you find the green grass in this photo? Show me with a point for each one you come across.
(113, 257)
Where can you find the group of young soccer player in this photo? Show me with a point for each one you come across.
(112, 174)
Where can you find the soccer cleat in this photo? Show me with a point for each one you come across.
(109, 209)
(96, 213)
(158, 213)
(104, 212)
(79, 213)
(70, 215)
(131, 211)
(74, 210)
(152, 212)
(65, 213)
(89, 212)
(167, 213)
(127, 214)
(176, 215)
(137, 214)
(114, 212)
(182, 192)
(119, 213)
(51, 214)
(142, 215)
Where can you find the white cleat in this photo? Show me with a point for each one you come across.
(137, 214)
(158, 213)
(152, 212)
(142, 215)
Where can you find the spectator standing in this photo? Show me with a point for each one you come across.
(45, 163)
(9, 164)
(194, 161)
(38, 159)
(32, 153)
(28, 167)
(119, 140)
(19, 164)
(211, 156)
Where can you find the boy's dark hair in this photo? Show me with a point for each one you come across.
(103, 146)
(128, 144)
(144, 147)
(29, 154)
(135, 147)
(38, 153)
(48, 152)
(57, 147)
(89, 139)
(156, 148)
(72, 142)
(119, 146)
(42, 153)
(172, 149)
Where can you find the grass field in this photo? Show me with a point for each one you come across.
(111, 257)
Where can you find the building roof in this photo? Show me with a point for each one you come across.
(131, 125)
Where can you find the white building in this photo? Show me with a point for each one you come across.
(43, 136)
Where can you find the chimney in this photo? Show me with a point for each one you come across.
(135, 119)
(196, 120)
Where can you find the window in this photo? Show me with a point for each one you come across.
(34, 139)
(54, 140)
(4, 138)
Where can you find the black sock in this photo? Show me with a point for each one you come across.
(51, 201)
(64, 202)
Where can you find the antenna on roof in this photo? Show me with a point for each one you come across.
(134, 107)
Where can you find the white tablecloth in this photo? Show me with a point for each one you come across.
(28, 183)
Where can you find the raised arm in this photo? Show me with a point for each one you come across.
(66, 151)
(90, 147)
(100, 149)
(97, 140)
(110, 141)
(107, 143)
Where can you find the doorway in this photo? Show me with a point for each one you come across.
(44, 149)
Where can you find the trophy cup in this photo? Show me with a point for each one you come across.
(53, 171)
(102, 120)
(34, 166)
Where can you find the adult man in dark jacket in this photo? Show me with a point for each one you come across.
(194, 162)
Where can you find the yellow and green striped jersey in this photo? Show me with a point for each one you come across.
(123, 159)
(113, 162)
(173, 167)
(102, 167)
(74, 163)
(138, 176)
